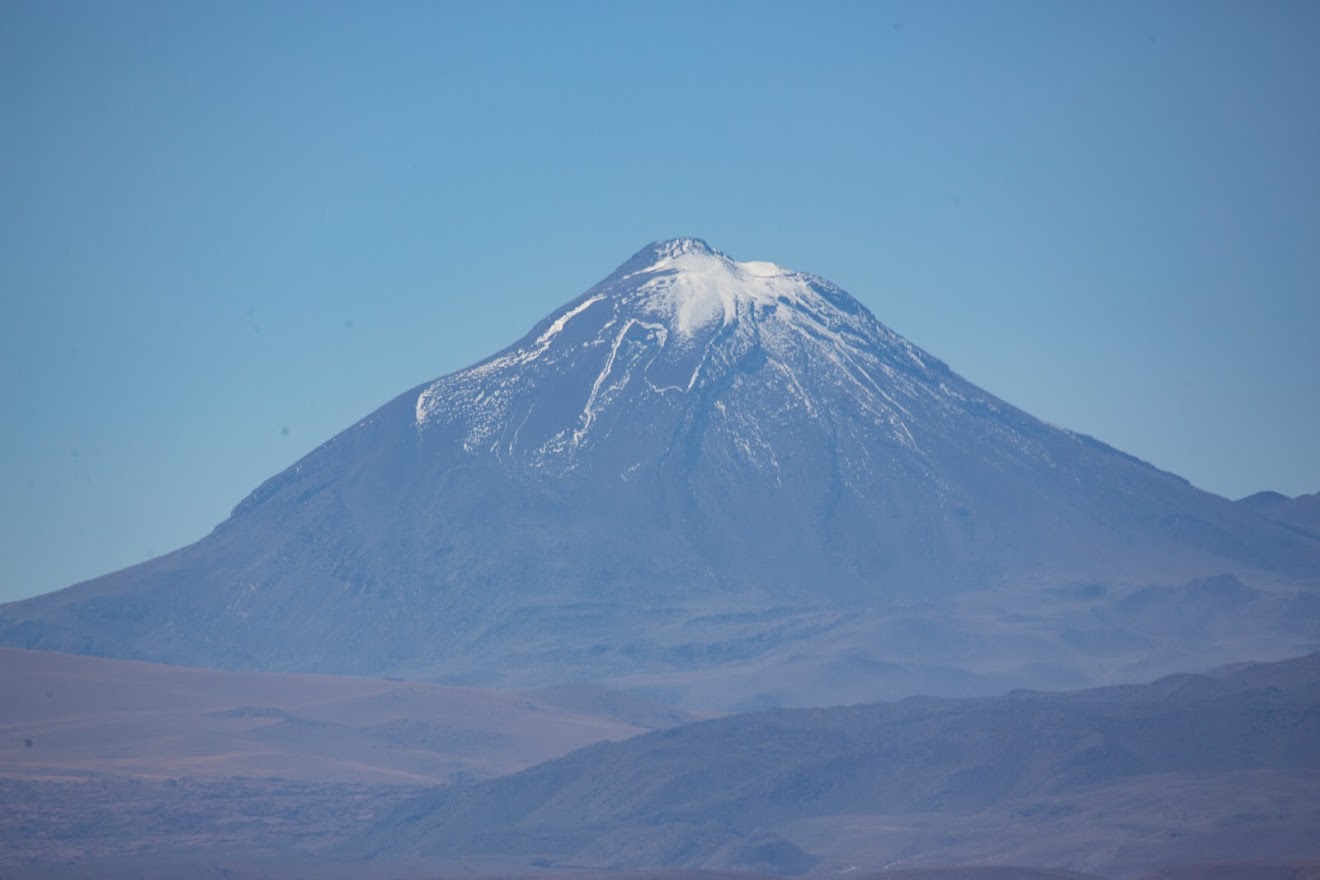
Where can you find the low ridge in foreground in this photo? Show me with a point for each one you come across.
(1219, 769)
(1113, 781)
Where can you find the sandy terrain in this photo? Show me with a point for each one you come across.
(70, 717)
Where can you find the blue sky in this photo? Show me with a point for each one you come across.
(227, 231)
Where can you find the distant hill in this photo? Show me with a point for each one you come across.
(1302, 514)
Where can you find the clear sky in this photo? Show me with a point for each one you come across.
(229, 230)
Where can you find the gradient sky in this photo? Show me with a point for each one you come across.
(229, 230)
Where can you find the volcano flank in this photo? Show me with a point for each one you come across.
(706, 466)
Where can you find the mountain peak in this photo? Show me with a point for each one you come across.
(677, 247)
(675, 324)
(693, 286)
(703, 464)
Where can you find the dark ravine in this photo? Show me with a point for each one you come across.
(704, 468)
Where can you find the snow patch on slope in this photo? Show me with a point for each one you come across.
(430, 400)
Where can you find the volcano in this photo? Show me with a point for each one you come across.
(713, 481)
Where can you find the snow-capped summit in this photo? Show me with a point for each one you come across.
(692, 286)
(676, 326)
(701, 463)
(674, 247)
